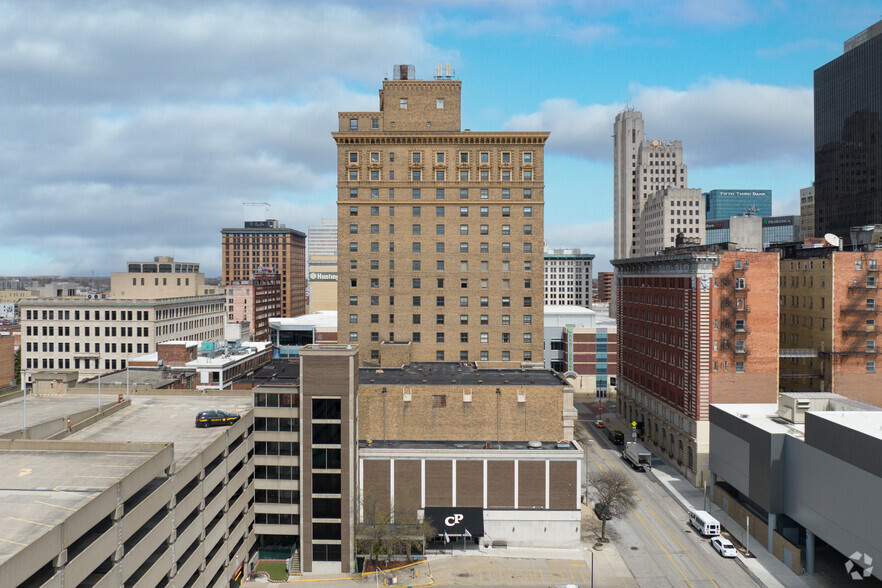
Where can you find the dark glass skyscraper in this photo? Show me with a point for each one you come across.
(848, 149)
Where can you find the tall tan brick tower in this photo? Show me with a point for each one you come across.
(440, 232)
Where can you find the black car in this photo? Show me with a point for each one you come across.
(216, 418)
(616, 436)
(602, 512)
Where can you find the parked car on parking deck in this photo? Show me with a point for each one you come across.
(216, 418)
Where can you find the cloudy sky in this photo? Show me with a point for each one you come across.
(135, 129)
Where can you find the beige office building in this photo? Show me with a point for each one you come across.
(321, 249)
(641, 167)
(161, 278)
(440, 231)
(93, 336)
(670, 212)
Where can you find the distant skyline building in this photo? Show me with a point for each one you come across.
(262, 245)
(255, 301)
(669, 212)
(722, 204)
(848, 159)
(772, 229)
(604, 286)
(568, 277)
(321, 247)
(641, 167)
(807, 212)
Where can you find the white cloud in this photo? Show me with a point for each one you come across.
(720, 122)
(138, 130)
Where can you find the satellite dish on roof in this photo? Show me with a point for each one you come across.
(832, 239)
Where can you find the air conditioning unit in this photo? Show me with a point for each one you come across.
(466, 396)
(408, 395)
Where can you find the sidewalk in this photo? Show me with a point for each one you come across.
(764, 567)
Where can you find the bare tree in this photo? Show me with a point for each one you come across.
(384, 533)
(613, 492)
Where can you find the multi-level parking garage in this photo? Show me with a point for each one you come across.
(138, 498)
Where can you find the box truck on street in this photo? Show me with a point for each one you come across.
(638, 456)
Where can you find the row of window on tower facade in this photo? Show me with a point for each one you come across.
(416, 157)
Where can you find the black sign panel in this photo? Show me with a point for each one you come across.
(456, 520)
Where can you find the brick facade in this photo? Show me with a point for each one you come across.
(440, 232)
(694, 328)
(469, 413)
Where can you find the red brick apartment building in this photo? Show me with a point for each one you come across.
(604, 287)
(694, 327)
(256, 301)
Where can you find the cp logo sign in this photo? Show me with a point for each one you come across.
(453, 520)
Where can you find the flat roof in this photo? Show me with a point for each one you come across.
(226, 357)
(135, 376)
(438, 373)
(321, 318)
(567, 309)
(42, 488)
(867, 423)
(165, 419)
(763, 416)
(45, 408)
(468, 445)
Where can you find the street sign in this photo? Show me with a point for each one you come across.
(633, 424)
(633, 434)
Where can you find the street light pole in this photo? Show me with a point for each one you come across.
(99, 382)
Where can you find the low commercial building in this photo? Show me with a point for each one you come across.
(289, 335)
(216, 366)
(582, 345)
(806, 472)
(111, 504)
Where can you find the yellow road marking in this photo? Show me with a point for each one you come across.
(55, 505)
(27, 521)
(13, 542)
(673, 536)
(578, 565)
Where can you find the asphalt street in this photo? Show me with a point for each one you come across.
(655, 540)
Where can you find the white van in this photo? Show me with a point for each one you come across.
(704, 523)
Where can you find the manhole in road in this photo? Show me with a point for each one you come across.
(634, 548)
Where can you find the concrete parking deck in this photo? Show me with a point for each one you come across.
(43, 487)
(167, 419)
